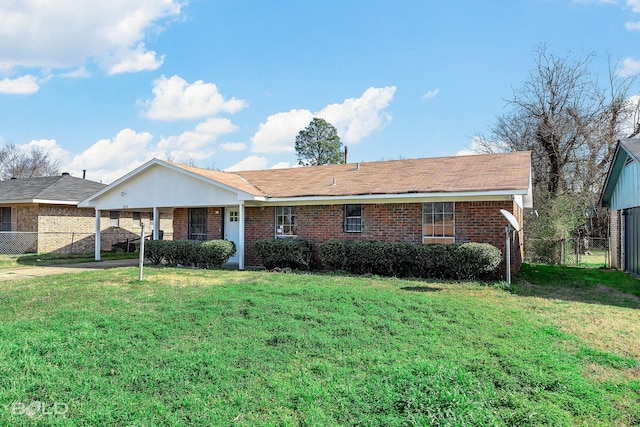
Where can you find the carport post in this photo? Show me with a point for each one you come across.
(240, 247)
(156, 223)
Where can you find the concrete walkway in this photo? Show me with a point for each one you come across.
(35, 271)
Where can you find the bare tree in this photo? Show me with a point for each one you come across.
(571, 125)
(17, 163)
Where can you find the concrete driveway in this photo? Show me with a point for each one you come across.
(35, 271)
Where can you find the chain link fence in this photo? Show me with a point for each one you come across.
(579, 251)
(19, 242)
(16, 242)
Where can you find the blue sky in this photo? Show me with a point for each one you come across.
(107, 85)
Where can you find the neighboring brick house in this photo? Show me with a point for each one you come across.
(431, 200)
(41, 215)
(621, 195)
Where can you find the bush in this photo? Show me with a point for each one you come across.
(292, 253)
(208, 254)
(475, 260)
(333, 254)
(155, 250)
(455, 261)
(214, 253)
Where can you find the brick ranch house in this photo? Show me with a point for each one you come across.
(42, 215)
(429, 200)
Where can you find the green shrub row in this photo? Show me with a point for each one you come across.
(292, 253)
(454, 261)
(189, 253)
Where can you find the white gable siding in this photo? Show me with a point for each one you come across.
(161, 187)
(626, 193)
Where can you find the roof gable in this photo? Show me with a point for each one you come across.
(627, 150)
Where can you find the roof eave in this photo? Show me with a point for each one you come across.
(38, 201)
(400, 197)
(615, 167)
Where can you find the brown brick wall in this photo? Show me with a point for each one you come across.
(482, 222)
(258, 225)
(479, 222)
(27, 218)
(68, 229)
(215, 223)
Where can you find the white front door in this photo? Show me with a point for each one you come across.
(232, 230)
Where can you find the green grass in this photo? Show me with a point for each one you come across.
(190, 347)
(596, 258)
(578, 281)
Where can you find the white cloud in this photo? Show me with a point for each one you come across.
(632, 26)
(357, 118)
(480, 145)
(133, 61)
(634, 5)
(354, 118)
(233, 146)
(196, 144)
(175, 99)
(430, 94)
(64, 34)
(278, 133)
(78, 73)
(109, 159)
(595, 1)
(630, 67)
(281, 165)
(50, 146)
(249, 163)
(24, 85)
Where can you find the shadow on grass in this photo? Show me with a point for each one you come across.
(62, 259)
(588, 285)
(420, 289)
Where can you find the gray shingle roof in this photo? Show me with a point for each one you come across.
(632, 146)
(64, 188)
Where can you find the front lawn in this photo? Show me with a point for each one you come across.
(192, 347)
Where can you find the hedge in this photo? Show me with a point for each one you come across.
(292, 253)
(453, 261)
(190, 253)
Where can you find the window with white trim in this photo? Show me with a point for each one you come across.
(438, 222)
(353, 218)
(286, 221)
